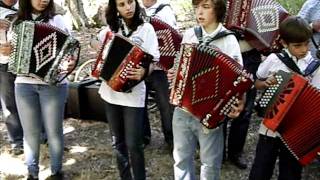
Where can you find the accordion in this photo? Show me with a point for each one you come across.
(291, 107)
(169, 41)
(258, 20)
(116, 56)
(42, 51)
(207, 83)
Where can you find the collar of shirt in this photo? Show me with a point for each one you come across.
(35, 16)
(2, 4)
(206, 35)
(306, 59)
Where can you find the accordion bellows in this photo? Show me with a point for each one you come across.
(291, 107)
(207, 83)
(117, 54)
(258, 20)
(40, 50)
(169, 41)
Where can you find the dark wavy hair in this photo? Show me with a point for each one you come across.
(295, 29)
(113, 19)
(25, 11)
(220, 8)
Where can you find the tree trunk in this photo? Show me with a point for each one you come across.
(79, 17)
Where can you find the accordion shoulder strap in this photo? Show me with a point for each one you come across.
(221, 34)
(159, 8)
(284, 57)
(313, 66)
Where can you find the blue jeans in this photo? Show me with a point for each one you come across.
(158, 82)
(187, 131)
(37, 105)
(9, 107)
(126, 125)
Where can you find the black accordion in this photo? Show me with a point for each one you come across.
(42, 51)
(116, 56)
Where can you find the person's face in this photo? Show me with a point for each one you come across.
(126, 8)
(39, 5)
(205, 13)
(298, 50)
(9, 2)
(148, 3)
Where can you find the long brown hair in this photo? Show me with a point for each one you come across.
(25, 11)
(113, 18)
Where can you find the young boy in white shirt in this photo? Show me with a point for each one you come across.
(295, 34)
(187, 130)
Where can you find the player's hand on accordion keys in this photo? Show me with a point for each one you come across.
(170, 76)
(237, 109)
(136, 73)
(4, 24)
(263, 84)
(5, 48)
(68, 65)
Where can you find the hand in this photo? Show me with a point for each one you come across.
(69, 65)
(4, 24)
(136, 73)
(170, 74)
(5, 49)
(316, 25)
(271, 80)
(236, 109)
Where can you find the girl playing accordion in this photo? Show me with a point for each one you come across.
(125, 110)
(39, 103)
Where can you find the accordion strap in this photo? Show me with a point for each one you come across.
(159, 8)
(284, 57)
(221, 34)
(313, 66)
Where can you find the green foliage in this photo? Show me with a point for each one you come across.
(292, 6)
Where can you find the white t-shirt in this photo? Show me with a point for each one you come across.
(228, 44)
(4, 12)
(145, 37)
(58, 22)
(166, 14)
(272, 65)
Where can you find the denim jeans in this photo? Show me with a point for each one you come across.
(9, 107)
(126, 125)
(187, 131)
(158, 82)
(267, 152)
(41, 105)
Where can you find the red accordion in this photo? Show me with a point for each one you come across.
(292, 108)
(42, 51)
(169, 41)
(115, 57)
(207, 83)
(259, 20)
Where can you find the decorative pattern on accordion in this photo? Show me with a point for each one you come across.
(259, 20)
(293, 112)
(207, 83)
(41, 50)
(117, 54)
(169, 41)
